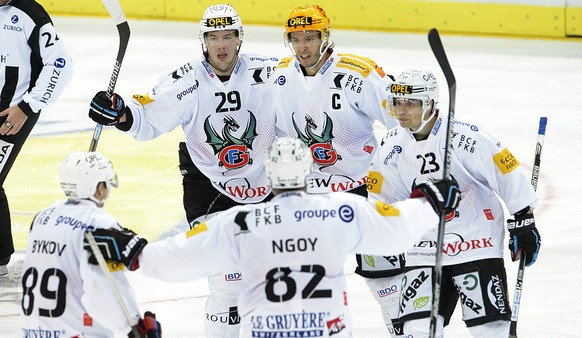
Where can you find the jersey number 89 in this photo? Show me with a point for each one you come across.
(29, 281)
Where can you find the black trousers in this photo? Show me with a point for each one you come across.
(6, 242)
(200, 197)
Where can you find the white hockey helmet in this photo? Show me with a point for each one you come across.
(288, 163)
(81, 172)
(416, 85)
(220, 18)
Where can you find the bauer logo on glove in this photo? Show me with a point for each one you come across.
(524, 237)
(515, 224)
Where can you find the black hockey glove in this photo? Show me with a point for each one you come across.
(524, 236)
(443, 195)
(121, 246)
(106, 111)
(148, 327)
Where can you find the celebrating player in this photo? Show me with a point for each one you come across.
(473, 267)
(291, 250)
(330, 101)
(35, 68)
(224, 107)
(62, 294)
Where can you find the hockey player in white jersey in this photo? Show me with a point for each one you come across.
(291, 250)
(331, 102)
(62, 294)
(223, 103)
(473, 265)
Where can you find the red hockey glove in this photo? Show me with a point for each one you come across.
(148, 327)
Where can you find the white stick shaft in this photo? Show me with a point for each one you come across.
(105, 268)
(115, 11)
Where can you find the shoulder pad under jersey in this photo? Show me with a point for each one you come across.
(284, 63)
(360, 64)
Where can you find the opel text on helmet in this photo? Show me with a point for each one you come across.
(288, 163)
(81, 172)
(220, 18)
(416, 85)
(309, 18)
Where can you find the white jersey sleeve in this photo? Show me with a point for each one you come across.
(493, 164)
(207, 249)
(368, 86)
(408, 220)
(167, 105)
(32, 53)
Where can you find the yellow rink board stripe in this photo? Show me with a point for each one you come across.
(149, 197)
(554, 19)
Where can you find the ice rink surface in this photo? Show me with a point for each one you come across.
(504, 84)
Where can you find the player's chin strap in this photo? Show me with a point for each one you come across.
(99, 202)
(433, 114)
(325, 46)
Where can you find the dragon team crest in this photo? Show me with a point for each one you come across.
(322, 151)
(232, 151)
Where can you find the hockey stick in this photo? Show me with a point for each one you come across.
(116, 13)
(535, 173)
(439, 52)
(105, 268)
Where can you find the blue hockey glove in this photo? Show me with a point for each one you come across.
(443, 195)
(524, 236)
(106, 111)
(121, 246)
(148, 327)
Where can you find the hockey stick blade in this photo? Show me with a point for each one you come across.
(535, 174)
(116, 13)
(439, 52)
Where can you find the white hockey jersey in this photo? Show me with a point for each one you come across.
(482, 166)
(291, 252)
(333, 113)
(63, 295)
(228, 126)
(35, 67)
